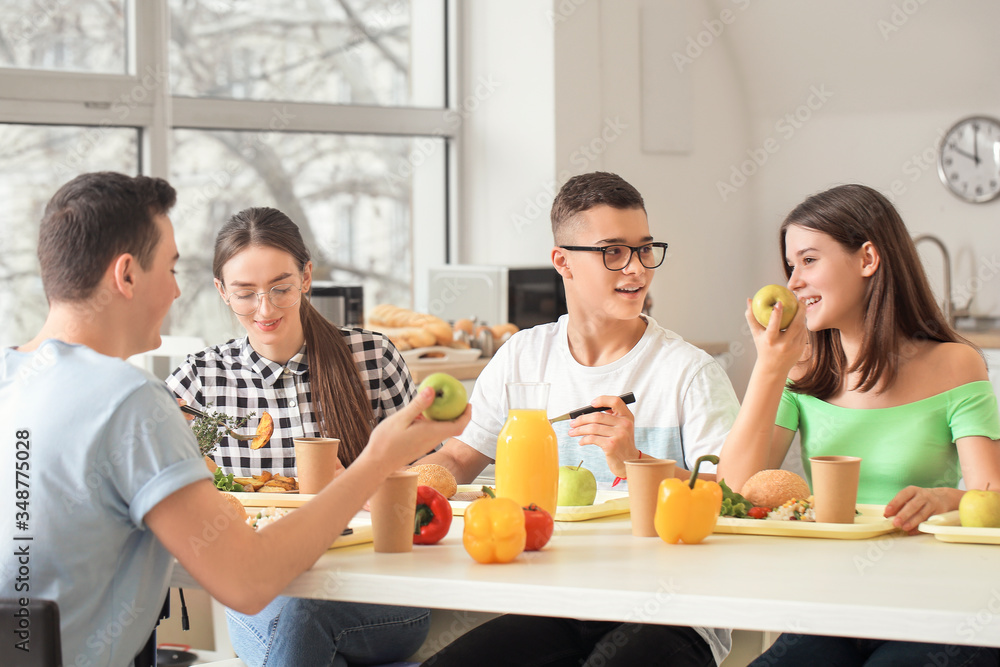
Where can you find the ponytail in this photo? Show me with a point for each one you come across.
(343, 409)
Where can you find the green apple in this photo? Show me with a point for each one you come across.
(451, 397)
(980, 509)
(766, 297)
(577, 486)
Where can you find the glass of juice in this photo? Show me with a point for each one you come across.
(527, 462)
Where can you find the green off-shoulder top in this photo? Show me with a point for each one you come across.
(912, 444)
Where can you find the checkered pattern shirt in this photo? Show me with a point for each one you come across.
(234, 379)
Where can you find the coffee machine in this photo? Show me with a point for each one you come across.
(343, 305)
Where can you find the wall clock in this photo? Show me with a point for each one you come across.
(969, 159)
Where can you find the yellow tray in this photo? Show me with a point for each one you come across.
(869, 524)
(295, 499)
(607, 503)
(361, 528)
(948, 528)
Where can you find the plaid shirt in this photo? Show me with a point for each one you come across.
(234, 379)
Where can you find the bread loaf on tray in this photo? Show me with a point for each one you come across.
(408, 329)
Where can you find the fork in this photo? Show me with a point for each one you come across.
(198, 413)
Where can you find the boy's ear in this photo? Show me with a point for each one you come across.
(870, 259)
(559, 261)
(123, 274)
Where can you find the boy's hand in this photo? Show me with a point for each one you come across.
(613, 430)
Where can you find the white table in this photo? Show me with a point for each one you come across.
(905, 588)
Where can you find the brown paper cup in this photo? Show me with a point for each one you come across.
(393, 507)
(315, 462)
(644, 477)
(835, 487)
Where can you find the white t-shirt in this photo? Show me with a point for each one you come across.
(101, 443)
(684, 403)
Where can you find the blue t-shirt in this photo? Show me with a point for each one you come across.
(91, 443)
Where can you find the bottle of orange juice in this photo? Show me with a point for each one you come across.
(527, 463)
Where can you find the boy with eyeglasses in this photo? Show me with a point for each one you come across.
(602, 348)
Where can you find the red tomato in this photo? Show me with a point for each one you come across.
(538, 525)
(758, 512)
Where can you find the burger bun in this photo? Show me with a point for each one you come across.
(773, 488)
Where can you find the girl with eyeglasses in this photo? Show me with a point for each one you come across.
(315, 379)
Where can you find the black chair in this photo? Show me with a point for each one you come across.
(31, 633)
(147, 656)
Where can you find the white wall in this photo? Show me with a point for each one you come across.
(508, 166)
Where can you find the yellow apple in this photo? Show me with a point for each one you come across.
(980, 509)
(764, 300)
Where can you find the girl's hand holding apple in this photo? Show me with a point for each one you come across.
(776, 349)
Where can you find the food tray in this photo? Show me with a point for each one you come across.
(361, 525)
(607, 503)
(948, 528)
(441, 355)
(293, 499)
(869, 524)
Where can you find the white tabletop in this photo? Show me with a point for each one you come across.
(906, 588)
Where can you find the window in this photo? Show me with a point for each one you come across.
(332, 110)
(32, 158)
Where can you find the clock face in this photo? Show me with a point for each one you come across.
(969, 159)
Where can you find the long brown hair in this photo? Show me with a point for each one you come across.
(900, 306)
(343, 409)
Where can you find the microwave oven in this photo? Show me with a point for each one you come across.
(343, 305)
(524, 296)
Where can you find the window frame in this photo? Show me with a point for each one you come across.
(100, 100)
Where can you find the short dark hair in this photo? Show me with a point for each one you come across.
(586, 191)
(93, 219)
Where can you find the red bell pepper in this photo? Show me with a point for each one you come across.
(433, 516)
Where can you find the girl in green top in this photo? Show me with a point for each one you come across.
(868, 367)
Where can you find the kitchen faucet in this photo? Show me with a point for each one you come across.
(950, 312)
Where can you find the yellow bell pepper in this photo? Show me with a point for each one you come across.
(494, 529)
(687, 511)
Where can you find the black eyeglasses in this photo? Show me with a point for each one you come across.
(617, 257)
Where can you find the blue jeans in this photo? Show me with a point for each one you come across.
(297, 632)
(797, 650)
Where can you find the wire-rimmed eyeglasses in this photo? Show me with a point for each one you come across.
(246, 301)
(618, 256)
